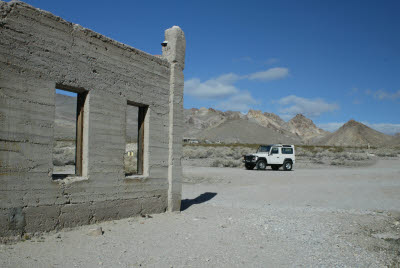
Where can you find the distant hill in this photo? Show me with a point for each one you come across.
(354, 133)
(305, 128)
(242, 130)
(200, 123)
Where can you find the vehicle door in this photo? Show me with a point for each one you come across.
(275, 156)
(263, 151)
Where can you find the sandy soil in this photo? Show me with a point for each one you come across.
(329, 217)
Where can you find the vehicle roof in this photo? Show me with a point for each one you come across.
(278, 145)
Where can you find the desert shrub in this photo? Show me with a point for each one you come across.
(226, 163)
(336, 149)
(193, 153)
(359, 157)
(220, 152)
(343, 159)
(318, 161)
(338, 162)
(386, 154)
(238, 152)
(210, 151)
(188, 152)
(130, 161)
(203, 153)
(324, 154)
(351, 156)
(130, 164)
(216, 163)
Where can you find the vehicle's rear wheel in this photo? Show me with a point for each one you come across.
(261, 165)
(249, 166)
(287, 165)
(275, 167)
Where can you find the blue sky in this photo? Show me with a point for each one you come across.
(330, 60)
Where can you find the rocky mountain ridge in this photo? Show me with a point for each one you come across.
(200, 123)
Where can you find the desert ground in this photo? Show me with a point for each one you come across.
(314, 216)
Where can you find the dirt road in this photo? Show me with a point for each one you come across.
(332, 217)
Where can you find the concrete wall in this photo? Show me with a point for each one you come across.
(39, 51)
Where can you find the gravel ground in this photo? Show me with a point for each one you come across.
(325, 217)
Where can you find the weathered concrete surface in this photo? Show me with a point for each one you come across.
(39, 52)
(174, 52)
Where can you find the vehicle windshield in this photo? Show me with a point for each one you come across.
(264, 149)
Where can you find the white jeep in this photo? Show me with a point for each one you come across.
(275, 155)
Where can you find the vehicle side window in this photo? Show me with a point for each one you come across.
(287, 150)
(263, 149)
(274, 151)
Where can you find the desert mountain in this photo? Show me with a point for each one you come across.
(305, 128)
(200, 123)
(245, 131)
(354, 133)
(197, 120)
(268, 120)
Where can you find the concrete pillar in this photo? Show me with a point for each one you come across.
(174, 51)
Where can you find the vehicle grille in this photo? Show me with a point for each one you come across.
(248, 157)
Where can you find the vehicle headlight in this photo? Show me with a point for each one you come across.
(255, 157)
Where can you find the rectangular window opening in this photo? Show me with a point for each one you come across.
(68, 132)
(134, 149)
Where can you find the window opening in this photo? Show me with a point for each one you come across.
(68, 133)
(134, 149)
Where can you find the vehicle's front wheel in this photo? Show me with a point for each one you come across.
(249, 166)
(275, 167)
(287, 166)
(261, 165)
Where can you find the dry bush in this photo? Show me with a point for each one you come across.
(348, 159)
(130, 161)
(336, 149)
(386, 154)
(195, 153)
(318, 161)
(130, 164)
(226, 163)
(339, 162)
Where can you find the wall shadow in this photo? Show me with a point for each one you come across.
(186, 203)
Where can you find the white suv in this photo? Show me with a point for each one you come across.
(275, 155)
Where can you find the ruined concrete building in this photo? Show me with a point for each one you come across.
(40, 52)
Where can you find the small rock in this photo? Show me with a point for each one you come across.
(396, 223)
(95, 232)
(58, 236)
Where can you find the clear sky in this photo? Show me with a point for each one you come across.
(330, 60)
